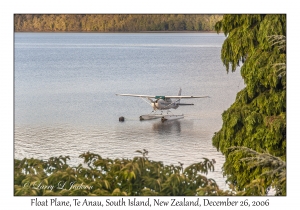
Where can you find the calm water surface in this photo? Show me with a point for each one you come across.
(65, 102)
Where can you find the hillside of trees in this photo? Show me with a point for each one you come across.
(113, 22)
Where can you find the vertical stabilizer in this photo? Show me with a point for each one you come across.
(179, 93)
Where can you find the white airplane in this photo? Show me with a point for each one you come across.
(163, 103)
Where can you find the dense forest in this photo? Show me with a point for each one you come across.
(114, 22)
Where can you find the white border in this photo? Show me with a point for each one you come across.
(8, 8)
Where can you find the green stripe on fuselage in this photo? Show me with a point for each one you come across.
(160, 97)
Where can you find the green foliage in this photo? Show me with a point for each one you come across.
(108, 177)
(257, 171)
(257, 119)
(114, 22)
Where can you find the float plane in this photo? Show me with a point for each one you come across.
(163, 103)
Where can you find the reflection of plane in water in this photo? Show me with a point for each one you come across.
(167, 127)
(163, 103)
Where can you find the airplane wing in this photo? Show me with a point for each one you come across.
(134, 95)
(186, 97)
(162, 97)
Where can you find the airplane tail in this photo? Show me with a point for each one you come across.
(179, 94)
(178, 102)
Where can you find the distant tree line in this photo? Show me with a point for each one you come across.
(114, 22)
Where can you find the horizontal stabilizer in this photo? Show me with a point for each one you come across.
(183, 104)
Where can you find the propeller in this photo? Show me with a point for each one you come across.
(153, 103)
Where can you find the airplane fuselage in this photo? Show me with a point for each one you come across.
(163, 104)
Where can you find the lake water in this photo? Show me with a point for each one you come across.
(65, 102)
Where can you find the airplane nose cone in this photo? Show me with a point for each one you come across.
(154, 106)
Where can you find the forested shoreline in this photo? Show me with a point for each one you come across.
(115, 22)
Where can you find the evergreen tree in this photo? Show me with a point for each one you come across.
(257, 118)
